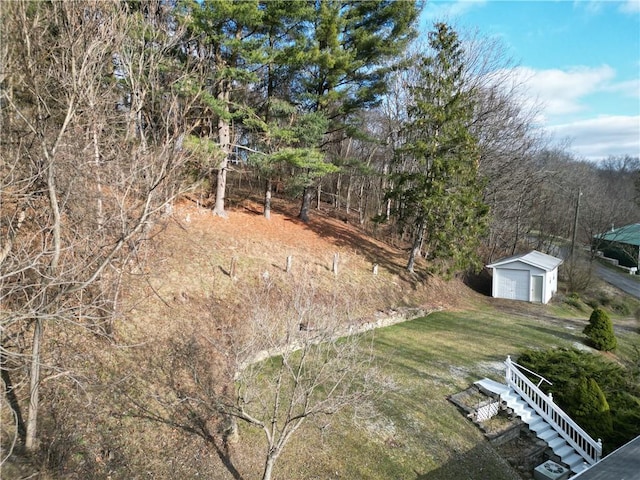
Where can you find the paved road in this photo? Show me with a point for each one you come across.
(623, 281)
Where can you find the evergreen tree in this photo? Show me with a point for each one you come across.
(282, 133)
(226, 45)
(591, 409)
(600, 331)
(436, 186)
(353, 46)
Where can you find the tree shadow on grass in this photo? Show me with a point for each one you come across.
(480, 463)
(575, 338)
(195, 426)
(191, 407)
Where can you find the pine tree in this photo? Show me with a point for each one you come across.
(282, 133)
(353, 46)
(600, 331)
(591, 408)
(226, 44)
(436, 186)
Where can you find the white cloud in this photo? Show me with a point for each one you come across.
(595, 7)
(629, 88)
(438, 10)
(560, 91)
(630, 6)
(602, 136)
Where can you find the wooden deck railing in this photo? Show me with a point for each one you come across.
(581, 441)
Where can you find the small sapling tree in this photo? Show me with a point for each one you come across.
(310, 370)
(286, 364)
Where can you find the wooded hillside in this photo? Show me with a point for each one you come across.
(115, 115)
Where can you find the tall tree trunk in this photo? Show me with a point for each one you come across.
(96, 159)
(348, 201)
(34, 388)
(363, 202)
(34, 374)
(224, 138)
(306, 203)
(268, 468)
(417, 245)
(267, 198)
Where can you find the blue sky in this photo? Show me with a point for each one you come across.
(580, 61)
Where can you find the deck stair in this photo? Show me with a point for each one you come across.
(573, 447)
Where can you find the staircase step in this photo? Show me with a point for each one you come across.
(539, 426)
(530, 417)
(552, 438)
(510, 396)
(565, 451)
(556, 443)
(574, 459)
(515, 402)
(579, 466)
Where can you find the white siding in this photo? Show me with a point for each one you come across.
(552, 284)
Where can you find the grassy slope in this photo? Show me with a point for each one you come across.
(410, 431)
(416, 432)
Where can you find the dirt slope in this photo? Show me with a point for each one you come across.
(192, 255)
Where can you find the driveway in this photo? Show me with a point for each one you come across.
(623, 281)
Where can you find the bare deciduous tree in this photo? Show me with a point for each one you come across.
(289, 363)
(78, 193)
(314, 372)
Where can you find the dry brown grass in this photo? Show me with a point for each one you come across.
(191, 260)
(188, 290)
(117, 414)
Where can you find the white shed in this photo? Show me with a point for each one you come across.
(532, 277)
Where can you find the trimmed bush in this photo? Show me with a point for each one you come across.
(600, 331)
(591, 408)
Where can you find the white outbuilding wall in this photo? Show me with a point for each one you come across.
(532, 277)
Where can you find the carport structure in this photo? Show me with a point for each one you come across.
(622, 244)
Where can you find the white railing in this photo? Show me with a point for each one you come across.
(581, 441)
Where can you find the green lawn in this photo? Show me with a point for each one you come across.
(411, 430)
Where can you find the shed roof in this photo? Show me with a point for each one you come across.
(622, 464)
(629, 234)
(533, 258)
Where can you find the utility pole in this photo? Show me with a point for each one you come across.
(575, 223)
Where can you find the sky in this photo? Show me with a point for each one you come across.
(579, 61)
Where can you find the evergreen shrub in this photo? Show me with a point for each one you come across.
(584, 384)
(600, 331)
(591, 409)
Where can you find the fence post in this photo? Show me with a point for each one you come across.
(289, 260)
(233, 268)
(507, 372)
(335, 264)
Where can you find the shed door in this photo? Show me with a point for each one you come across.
(514, 284)
(536, 288)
